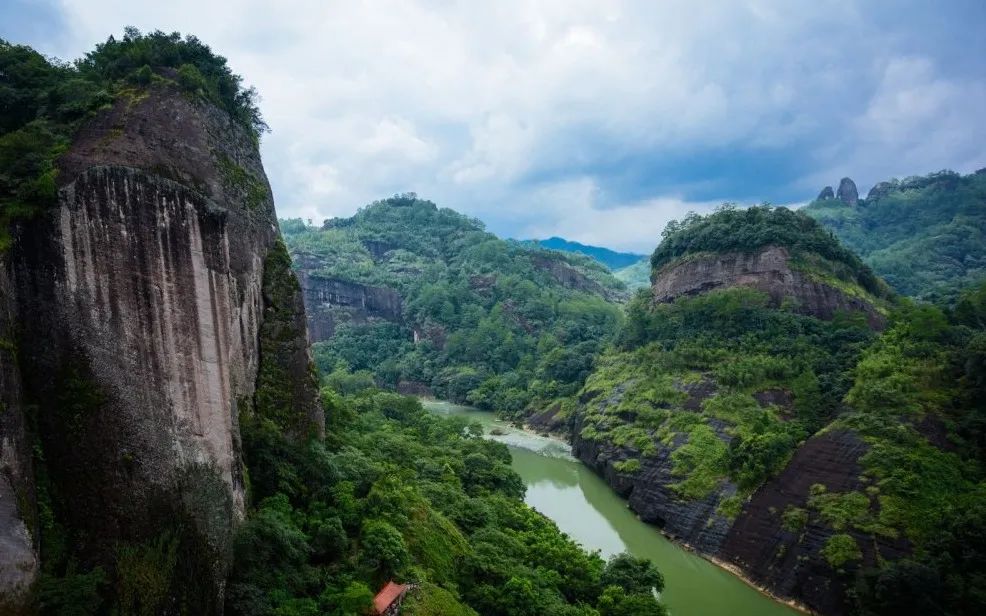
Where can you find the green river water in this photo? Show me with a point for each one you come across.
(590, 512)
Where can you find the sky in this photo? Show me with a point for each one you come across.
(598, 121)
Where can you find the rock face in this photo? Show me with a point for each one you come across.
(18, 516)
(880, 189)
(827, 193)
(651, 495)
(847, 192)
(565, 274)
(787, 560)
(330, 302)
(142, 295)
(767, 270)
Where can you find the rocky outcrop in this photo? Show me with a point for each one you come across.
(879, 190)
(330, 302)
(847, 192)
(789, 560)
(651, 490)
(827, 193)
(768, 270)
(565, 274)
(142, 295)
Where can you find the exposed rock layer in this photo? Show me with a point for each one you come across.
(847, 192)
(768, 270)
(18, 518)
(330, 302)
(141, 296)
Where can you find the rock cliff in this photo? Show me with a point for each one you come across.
(141, 302)
(768, 269)
(18, 515)
(847, 192)
(330, 301)
(673, 418)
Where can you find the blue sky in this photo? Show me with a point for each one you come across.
(594, 120)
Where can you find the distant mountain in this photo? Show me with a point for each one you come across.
(924, 235)
(636, 276)
(430, 302)
(610, 258)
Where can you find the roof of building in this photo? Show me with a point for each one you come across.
(387, 595)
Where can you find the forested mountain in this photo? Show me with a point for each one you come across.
(926, 236)
(427, 300)
(770, 402)
(610, 258)
(165, 446)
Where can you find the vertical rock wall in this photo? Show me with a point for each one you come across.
(140, 305)
(18, 518)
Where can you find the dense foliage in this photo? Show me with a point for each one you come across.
(398, 493)
(732, 345)
(729, 229)
(497, 324)
(926, 236)
(44, 101)
(733, 386)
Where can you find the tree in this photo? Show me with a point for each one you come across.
(634, 575)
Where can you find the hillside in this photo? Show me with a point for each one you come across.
(610, 258)
(636, 276)
(165, 447)
(926, 236)
(428, 301)
(752, 409)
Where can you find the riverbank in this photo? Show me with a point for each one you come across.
(583, 506)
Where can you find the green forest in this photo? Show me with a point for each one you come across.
(915, 394)
(707, 398)
(501, 325)
(924, 235)
(45, 101)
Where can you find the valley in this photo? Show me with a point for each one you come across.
(206, 408)
(588, 510)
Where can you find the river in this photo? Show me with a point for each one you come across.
(585, 508)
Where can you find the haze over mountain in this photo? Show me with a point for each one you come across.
(610, 258)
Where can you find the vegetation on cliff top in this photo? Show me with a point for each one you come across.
(926, 235)
(498, 324)
(734, 386)
(45, 101)
(729, 229)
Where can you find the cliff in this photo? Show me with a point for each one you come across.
(146, 305)
(331, 301)
(709, 414)
(768, 269)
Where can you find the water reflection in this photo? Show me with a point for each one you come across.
(588, 510)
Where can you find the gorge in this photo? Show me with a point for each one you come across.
(202, 409)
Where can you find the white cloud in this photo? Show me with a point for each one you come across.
(524, 112)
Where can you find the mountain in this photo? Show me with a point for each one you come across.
(165, 449)
(610, 258)
(147, 315)
(636, 276)
(926, 235)
(429, 301)
(772, 404)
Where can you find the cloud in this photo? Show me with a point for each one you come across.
(592, 119)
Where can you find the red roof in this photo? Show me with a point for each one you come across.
(387, 595)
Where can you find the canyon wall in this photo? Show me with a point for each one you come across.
(140, 305)
(769, 270)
